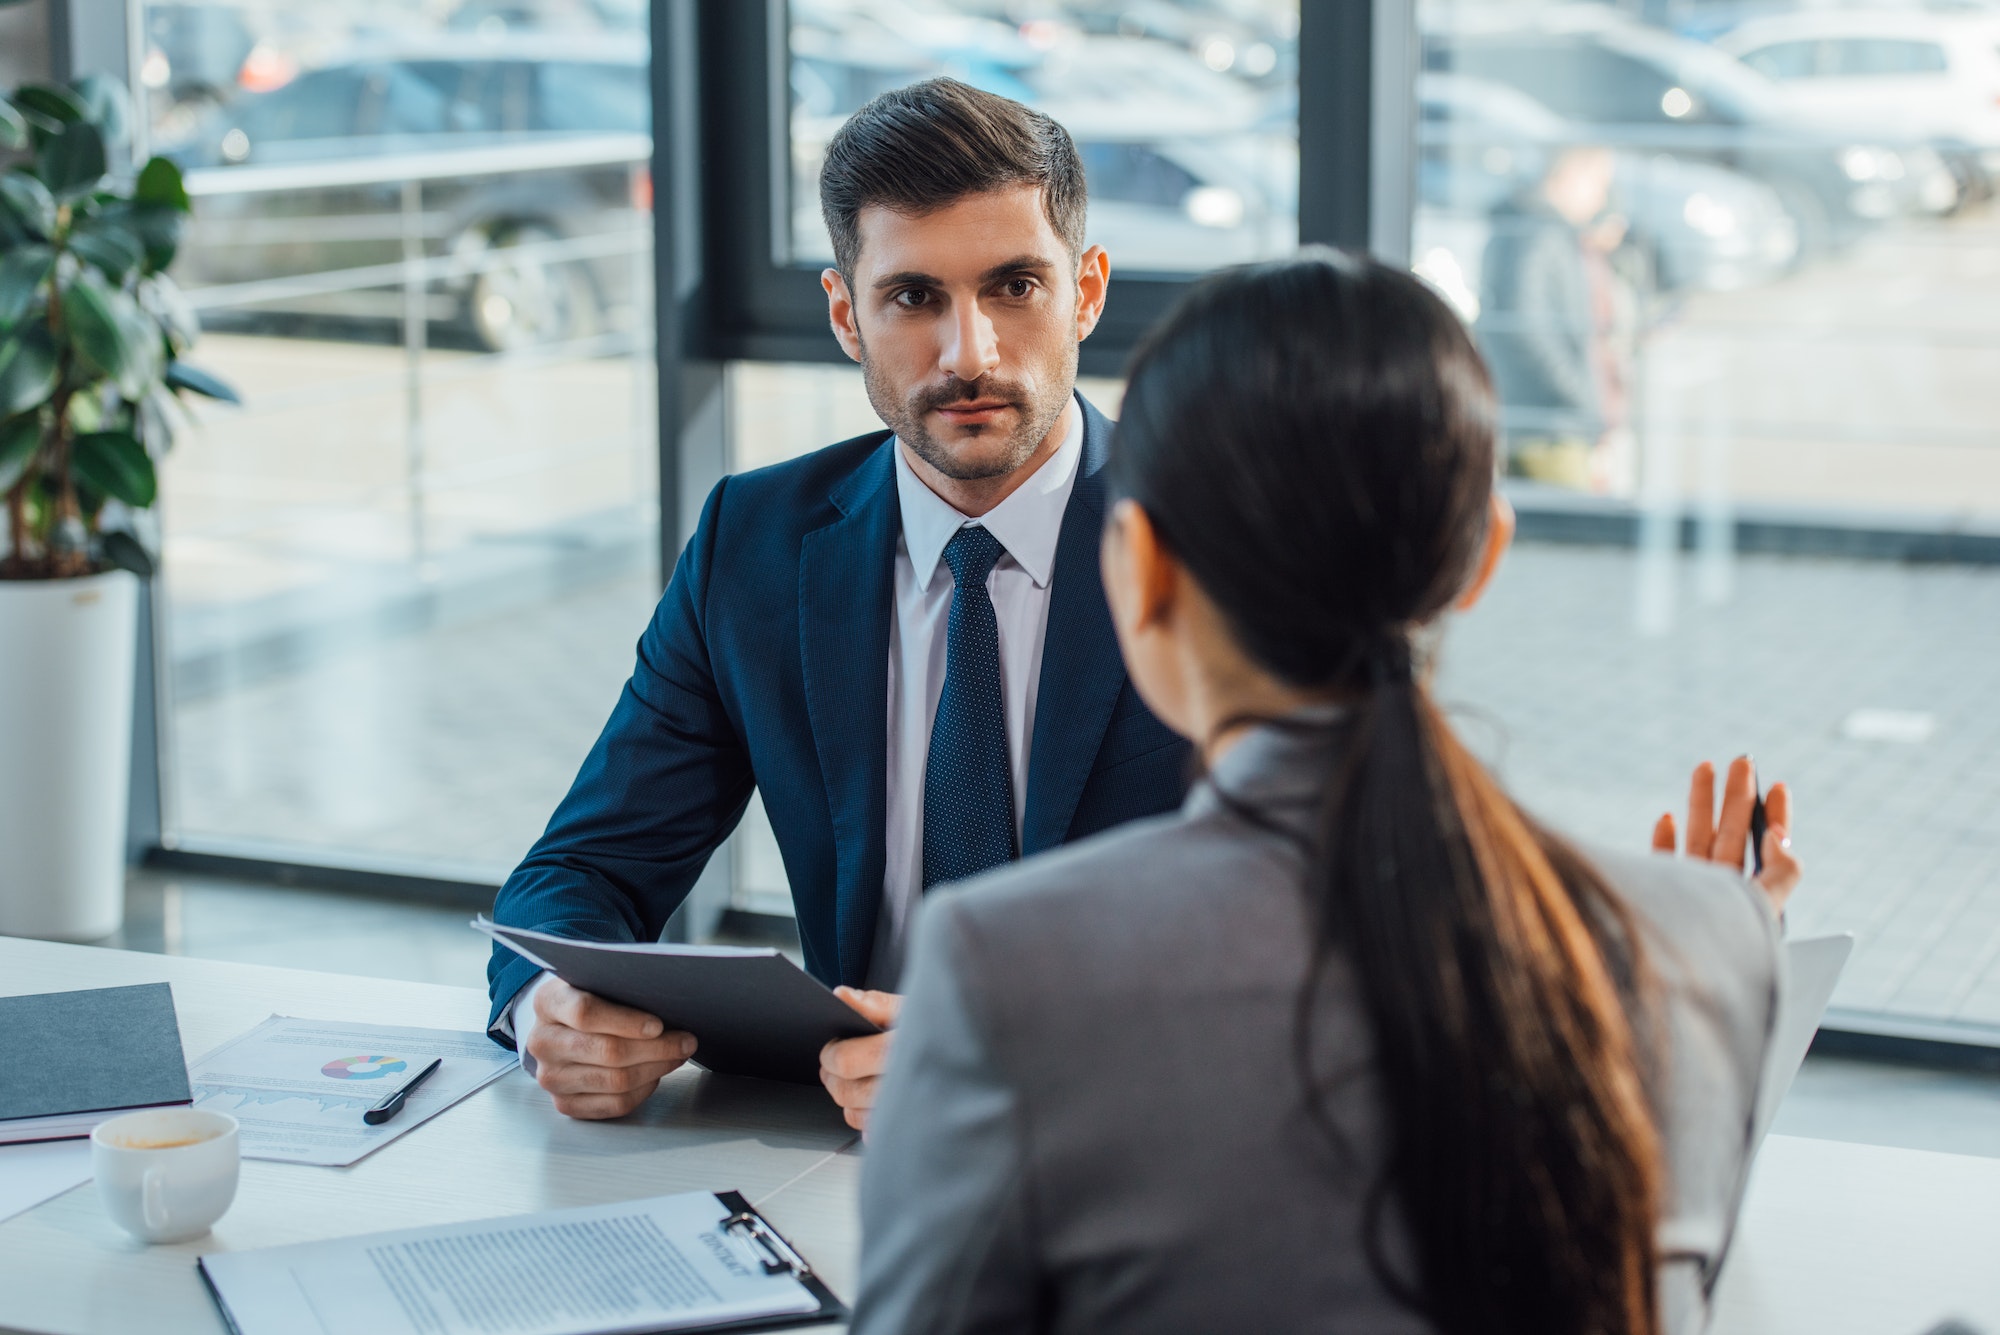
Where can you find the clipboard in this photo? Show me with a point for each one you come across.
(752, 1011)
(741, 1218)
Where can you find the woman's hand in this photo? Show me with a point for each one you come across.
(1723, 838)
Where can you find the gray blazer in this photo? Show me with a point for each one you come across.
(1092, 1119)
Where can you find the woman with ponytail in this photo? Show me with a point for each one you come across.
(1351, 1042)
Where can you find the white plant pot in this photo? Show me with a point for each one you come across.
(68, 648)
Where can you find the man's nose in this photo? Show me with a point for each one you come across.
(971, 349)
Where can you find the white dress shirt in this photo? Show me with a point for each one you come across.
(1028, 524)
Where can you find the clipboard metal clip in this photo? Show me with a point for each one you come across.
(778, 1256)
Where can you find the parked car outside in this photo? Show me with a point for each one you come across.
(1255, 42)
(1137, 86)
(194, 52)
(524, 142)
(1644, 89)
(1169, 205)
(1183, 171)
(1930, 76)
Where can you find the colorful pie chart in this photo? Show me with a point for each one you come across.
(362, 1068)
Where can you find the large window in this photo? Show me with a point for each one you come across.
(404, 580)
(1732, 268)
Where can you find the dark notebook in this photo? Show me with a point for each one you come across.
(74, 1059)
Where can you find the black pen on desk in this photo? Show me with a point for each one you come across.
(392, 1105)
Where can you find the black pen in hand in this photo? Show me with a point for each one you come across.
(1759, 822)
(392, 1105)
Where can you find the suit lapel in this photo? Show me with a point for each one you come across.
(846, 598)
(1082, 672)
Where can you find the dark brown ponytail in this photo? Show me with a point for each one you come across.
(1314, 440)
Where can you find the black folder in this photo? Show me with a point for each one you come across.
(69, 1060)
(753, 1012)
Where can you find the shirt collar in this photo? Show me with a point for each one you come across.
(1028, 522)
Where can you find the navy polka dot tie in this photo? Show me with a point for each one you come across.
(968, 784)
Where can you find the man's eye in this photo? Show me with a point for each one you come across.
(911, 298)
(1018, 287)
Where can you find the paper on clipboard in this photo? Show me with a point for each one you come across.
(298, 1087)
(668, 1263)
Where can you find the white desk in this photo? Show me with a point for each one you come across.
(1836, 1239)
(65, 1269)
(1839, 1238)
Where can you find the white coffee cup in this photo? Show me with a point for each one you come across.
(166, 1174)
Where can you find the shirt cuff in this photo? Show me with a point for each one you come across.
(517, 1021)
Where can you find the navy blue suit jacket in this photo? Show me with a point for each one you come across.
(766, 666)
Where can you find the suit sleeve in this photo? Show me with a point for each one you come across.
(663, 786)
(945, 1240)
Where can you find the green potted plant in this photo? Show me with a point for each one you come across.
(92, 332)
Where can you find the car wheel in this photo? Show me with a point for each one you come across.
(523, 299)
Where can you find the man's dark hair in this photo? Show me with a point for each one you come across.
(918, 149)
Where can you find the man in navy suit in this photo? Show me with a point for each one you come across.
(901, 640)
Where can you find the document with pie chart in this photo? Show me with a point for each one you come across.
(298, 1087)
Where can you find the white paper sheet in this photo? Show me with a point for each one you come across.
(299, 1087)
(31, 1174)
(660, 1264)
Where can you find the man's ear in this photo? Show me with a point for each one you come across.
(1500, 525)
(1093, 284)
(840, 312)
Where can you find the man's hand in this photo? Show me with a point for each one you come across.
(1722, 839)
(599, 1059)
(851, 1068)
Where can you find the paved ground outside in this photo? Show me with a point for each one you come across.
(1863, 383)
(1596, 725)
(446, 749)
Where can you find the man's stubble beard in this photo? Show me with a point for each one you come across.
(906, 418)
